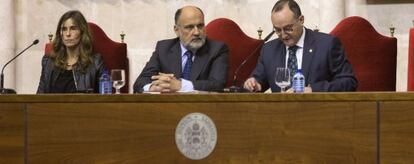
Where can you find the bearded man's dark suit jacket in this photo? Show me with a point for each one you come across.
(324, 64)
(208, 71)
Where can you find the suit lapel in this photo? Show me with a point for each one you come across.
(280, 62)
(281, 56)
(175, 58)
(279, 53)
(200, 60)
(309, 50)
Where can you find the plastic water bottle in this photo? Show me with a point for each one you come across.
(298, 82)
(105, 84)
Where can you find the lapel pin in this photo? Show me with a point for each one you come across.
(310, 50)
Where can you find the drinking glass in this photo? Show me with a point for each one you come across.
(282, 78)
(118, 79)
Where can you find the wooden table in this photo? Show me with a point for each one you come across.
(252, 128)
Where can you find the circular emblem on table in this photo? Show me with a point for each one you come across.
(196, 136)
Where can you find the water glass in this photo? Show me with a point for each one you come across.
(118, 79)
(282, 78)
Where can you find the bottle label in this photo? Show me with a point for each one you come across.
(105, 87)
(298, 83)
(105, 84)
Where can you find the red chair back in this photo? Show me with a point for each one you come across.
(410, 82)
(372, 55)
(240, 47)
(114, 54)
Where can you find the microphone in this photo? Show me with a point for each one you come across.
(6, 90)
(234, 88)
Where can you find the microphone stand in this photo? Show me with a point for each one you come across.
(234, 88)
(7, 90)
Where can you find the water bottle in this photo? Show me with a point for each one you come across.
(105, 84)
(298, 82)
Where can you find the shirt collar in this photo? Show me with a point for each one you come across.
(183, 49)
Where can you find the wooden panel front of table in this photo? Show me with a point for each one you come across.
(251, 128)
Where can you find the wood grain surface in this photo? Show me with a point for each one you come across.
(263, 132)
(11, 133)
(210, 97)
(367, 127)
(397, 132)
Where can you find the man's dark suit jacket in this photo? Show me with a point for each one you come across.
(208, 72)
(324, 64)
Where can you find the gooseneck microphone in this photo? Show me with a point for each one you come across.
(11, 91)
(234, 87)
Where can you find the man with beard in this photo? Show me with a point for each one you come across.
(319, 56)
(187, 63)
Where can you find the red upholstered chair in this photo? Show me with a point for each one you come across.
(240, 46)
(410, 82)
(114, 54)
(372, 55)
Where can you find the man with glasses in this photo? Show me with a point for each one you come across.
(187, 63)
(320, 56)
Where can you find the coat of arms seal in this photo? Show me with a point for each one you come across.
(196, 136)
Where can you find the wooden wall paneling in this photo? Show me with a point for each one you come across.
(248, 132)
(397, 132)
(12, 133)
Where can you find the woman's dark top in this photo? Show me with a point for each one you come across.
(86, 81)
(64, 83)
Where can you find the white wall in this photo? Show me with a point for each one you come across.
(8, 41)
(146, 21)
